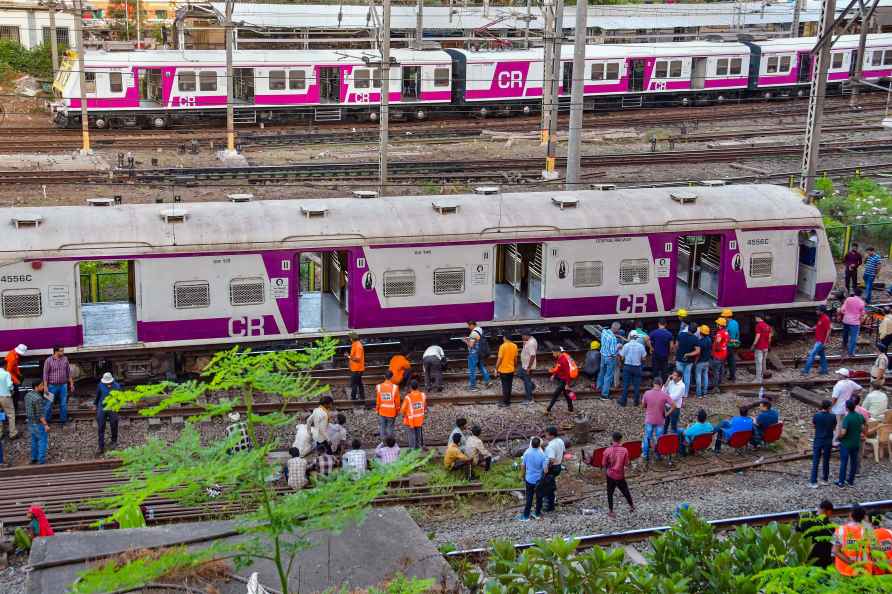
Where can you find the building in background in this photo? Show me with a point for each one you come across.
(28, 22)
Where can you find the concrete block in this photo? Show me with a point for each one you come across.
(154, 424)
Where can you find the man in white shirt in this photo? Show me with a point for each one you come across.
(842, 391)
(318, 422)
(354, 460)
(527, 365)
(555, 453)
(675, 388)
(337, 434)
(432, 361)
(876, 403)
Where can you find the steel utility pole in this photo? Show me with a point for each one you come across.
(419, 23)
(138, 24)
(81, 74)
(526, 29)
(860, 56)
(577, 98)
(797, 10)
(54, 43)
(384, 111)
(554, 94)
(816, 98)
(547, 65)
(230, 80)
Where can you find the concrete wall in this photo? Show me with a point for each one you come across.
(31, 21)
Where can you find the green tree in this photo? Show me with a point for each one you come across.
(274, 526)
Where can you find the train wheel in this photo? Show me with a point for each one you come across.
(767, 95)
(420, 114)
(720, 98)
(100, 123)
(159, 122)
(373, 116)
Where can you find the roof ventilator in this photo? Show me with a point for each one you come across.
(684, 197)
(445, 206)
(713, 183)
(365, 194)
(27, 220)
(563, 202)
(603, 187)
(101, 201)
(313, 211)
(174, 215)
(486, 190)
(238, 198)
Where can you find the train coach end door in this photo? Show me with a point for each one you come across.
(804, 67)
(636, 76)
(807, 275)
(698, 272)
(519, 281)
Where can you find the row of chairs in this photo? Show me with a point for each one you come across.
(669, 444)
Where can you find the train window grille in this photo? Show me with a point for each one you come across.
(191, 295)
(297, 80)
(588, 274)
(441, 77)
(186, 82)
(399, 283)
(449, 281)
(115, 82)
(22, 303)
(276, 80)
(207, 80)
(612, 71)
(89, 82)
(634, 272)
(761, 265)
(376, 78)
(838, 58)
(246, 291)
(9, 33)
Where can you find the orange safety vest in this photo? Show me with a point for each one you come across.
(357, 356)
(852, 538)
(387, 400)
(12, 366)
(414, 407)
(883, 538)
(399, 365)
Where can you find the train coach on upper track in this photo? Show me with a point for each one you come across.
(215, 273)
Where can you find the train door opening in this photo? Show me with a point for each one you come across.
(411, 82)
(804, 73)
(107, 301)
(698, 273)
(698, 73)
(636, 76)
(323, 296)
(150, 86)
(243, 85)
(566, 78)
(329, 84)
(807, 276)
(519, 281)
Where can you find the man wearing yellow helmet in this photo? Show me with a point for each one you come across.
(719, 351)
(682, 320)
(733, 329)
(592, 364)
(701, 369)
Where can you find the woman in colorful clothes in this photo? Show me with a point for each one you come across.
(38, 526)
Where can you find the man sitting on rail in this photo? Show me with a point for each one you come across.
(727, 428)
(296, 470)
(475, 450)
(850, 545)
(388, 451)
(455, 459)
(820, 528)
(337, 434)
(325, 463)
(701, 427)
(354, 460)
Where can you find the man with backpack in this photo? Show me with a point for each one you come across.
(478, 351)
(563, 372)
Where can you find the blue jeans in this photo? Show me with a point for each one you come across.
(631, 378)
(685, 370)
(848, 460)
(474, 363)
(672, 420)
(60, 395)
(702, 373)
(868, 287)
(820, 453)
(605, 375)
(527, 383)
(850, 337)
(818, 350)
(38, 442)
(651, 432)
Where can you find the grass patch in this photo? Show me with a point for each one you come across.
(501, 475)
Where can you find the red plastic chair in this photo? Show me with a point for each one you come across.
(635, 448)
(595, 460)
(740, 440)
(701, 442)
(772, 433)
(667, 445)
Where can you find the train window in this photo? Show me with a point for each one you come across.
(207, 80)
(837, 60)
(399, 283)
(785, 64)
(598, 71)
(588, 274)
(449, 281)
(246, 291)
(675, 69)
(887, 58)
(721, 67)
(186, 81)
(771, 65)
(376, 78)
(22, 303)
(760, 264)
(89, 82)
(876, 58)
(736, 66)
(115, 82)
(634, 272)
(661, 69)
(191, 294)
(297, 80)
(276, 80)
(361, 78)
(612, 71)
(441, 77)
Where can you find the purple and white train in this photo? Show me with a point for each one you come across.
(207, 274)
(157, 88)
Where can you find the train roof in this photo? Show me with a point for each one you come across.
(807, 43)
(264, 224)
(256, 57)
(616, 50)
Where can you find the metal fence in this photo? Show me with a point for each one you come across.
(104, 287)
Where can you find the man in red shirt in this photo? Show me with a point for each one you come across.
(760, 346)
(719, 353)
(561, 374)
(819, 349)
(616, 458)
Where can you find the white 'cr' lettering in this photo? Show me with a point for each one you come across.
(246, 326)
(509, 80)
(631, 304)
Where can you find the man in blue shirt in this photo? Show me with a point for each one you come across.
(106, 386)
(534, 465)
(660, 340)
(701, 427)
(871, 271)
(726, 429)
(733, 329)
(633, 354)
(767, 416)
(609, 347)
(686, 354)
(825, 426)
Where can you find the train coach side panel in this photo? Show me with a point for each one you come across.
(763, 267)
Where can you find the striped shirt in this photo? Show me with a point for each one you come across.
(608, 343)
(872, 265)
(354, 461)
(56, 371)
(297, 473)
(387, 455)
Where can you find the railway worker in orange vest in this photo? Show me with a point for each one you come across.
(401, 370)
(850, 547)
(357, 366)
(13, 359)
(413, 409)
(387, 404)
(881, 548)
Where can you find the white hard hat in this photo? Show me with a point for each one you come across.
(234, 416)
(21, 349)
(107, 378)
(843, 372)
